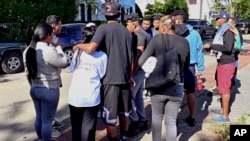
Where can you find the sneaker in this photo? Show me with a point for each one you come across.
(55, 133)
(57, 124)
(190, 121)
(220, 119)
(216, 111)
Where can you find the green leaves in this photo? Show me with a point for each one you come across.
(243, 9)
(24, 15)
(167, 7)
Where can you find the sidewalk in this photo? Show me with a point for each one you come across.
(202, 130)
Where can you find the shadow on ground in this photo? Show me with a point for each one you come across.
(185, 132)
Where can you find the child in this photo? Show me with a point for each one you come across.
(84, 91)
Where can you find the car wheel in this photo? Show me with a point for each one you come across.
(12, 63)
(69, 54)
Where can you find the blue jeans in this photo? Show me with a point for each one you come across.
(45, 101)
(163, 104)
(137, 100)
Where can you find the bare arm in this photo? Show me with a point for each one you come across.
(136, 66)
(88, 47)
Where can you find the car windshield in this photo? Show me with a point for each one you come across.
(192, 22)
(71, 30)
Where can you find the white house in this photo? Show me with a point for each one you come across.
(201, 9)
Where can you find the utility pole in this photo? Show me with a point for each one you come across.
(201, 5)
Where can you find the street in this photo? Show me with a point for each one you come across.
(17, 110)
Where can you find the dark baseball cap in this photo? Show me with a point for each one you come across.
(112, 8)
(133, 17)
(222, 14)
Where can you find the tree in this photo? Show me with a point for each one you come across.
(241, 9)
(24, 15)
(167, 7)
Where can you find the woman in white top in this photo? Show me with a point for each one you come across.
(84, 92)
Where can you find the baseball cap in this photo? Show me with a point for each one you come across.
(112, 8)
(222, 14)
(133, 17)
(90, 24)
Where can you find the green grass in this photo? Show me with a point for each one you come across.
(223, 129)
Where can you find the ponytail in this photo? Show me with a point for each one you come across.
(31, 62)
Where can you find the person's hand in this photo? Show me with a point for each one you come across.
(132, 83)
(75, 47)
(206, 46)
(199, 74)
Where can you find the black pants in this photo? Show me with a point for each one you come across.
(83, 122)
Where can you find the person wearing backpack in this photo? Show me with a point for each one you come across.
(238, 48)
(224, 46)
(166, 99)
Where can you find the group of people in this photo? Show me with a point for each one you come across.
(108, 74)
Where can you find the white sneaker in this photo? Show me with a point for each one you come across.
(55, 133)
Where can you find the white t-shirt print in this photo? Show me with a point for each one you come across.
(85, 86)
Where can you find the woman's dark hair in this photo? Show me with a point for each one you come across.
(42, 30)
(88, 33)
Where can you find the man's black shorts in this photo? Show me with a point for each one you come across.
(116, 101)
(189, 80)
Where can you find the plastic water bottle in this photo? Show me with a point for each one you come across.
(199, 84)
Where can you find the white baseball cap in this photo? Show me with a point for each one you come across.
(90, 24)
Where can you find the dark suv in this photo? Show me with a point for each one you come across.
(71, 34)
(203, 27)
(11, 58)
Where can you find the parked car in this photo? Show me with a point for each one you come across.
(71, 34)
(204, 27)
(11, 58)
(244, 26)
